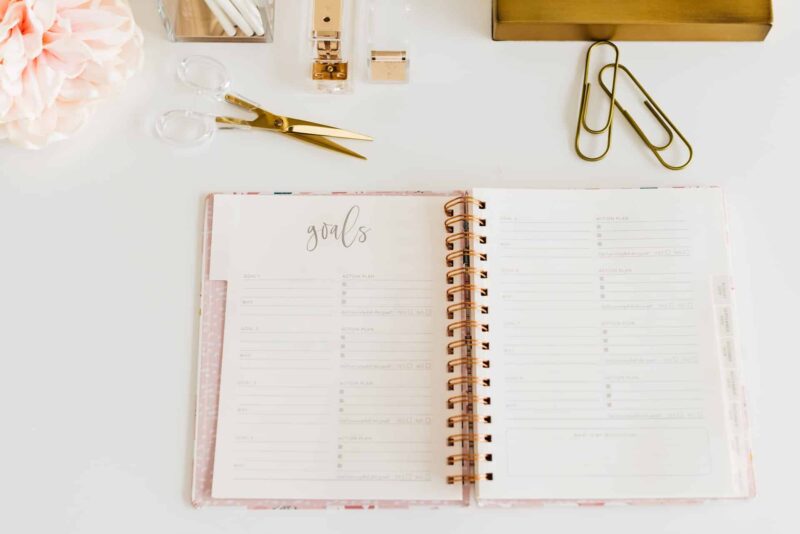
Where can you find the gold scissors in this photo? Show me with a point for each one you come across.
(310, 132)
(209, 77)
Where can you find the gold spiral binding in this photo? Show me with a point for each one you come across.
(466, 272)
(468, 458)
(464, 201)
(467, 316)
(461, 306)
(452, 328)
(472, 362)
(452, 239)
(453, 382)
(452, 346)
(469, 479)
(471, 438)
(460, 254)
(465, 288)
(467, 400)
(467, 418)
(449, 223)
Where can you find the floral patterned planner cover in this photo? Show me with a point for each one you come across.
(604, 320)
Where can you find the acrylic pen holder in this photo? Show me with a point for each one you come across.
(232, 21)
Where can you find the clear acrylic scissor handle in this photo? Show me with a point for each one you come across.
(205, 75)
(184, 127)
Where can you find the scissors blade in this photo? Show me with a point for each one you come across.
(312, 128)
(325, 143)
(232, 122)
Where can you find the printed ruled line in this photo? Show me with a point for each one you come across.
(640, 247)
(381, 395)
(602, 390)
(283, 460)
(539, 256)
(281, 350)
(637, 382)
(348, 413)
(512, 354)
(401, 351)
(604, 336)
(550, 274)
(557, 239)
(362, 341)
(259, 279)
(377, 360)
(644, 418)
(331, 287)
(394, 451)
(282, 442)
(291, 332)
(547, 248)
(286, 368)
(286, 297)
(603, 400)
(287, 315)
(283, 414)
(348, 288)
(312, 451)
(365, 477)
(373, 280)
(604, 239)
(610, 291)
(370, 306)
(532, 221)
(657, 282)
(616, 230)
(288, 305)
(529, 232)
(647, 274)
(651, 221)
(281, 405)
(248, 359)
(385, 297)
(540, 291)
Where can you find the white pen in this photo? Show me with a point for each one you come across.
(250, 12)
(235, 16)
(229, 29)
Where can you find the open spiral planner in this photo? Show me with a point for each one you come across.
(491, 347)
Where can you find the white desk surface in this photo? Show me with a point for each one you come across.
(100, 245)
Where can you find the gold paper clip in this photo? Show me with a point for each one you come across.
(585, 103)
(651, 105)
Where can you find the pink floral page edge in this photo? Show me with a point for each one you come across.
(212, 322)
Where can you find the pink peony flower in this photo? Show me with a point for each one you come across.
(57, 58)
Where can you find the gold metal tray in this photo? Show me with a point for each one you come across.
(631, 20)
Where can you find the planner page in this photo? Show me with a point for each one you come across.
(606, 365)
(332, 382)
